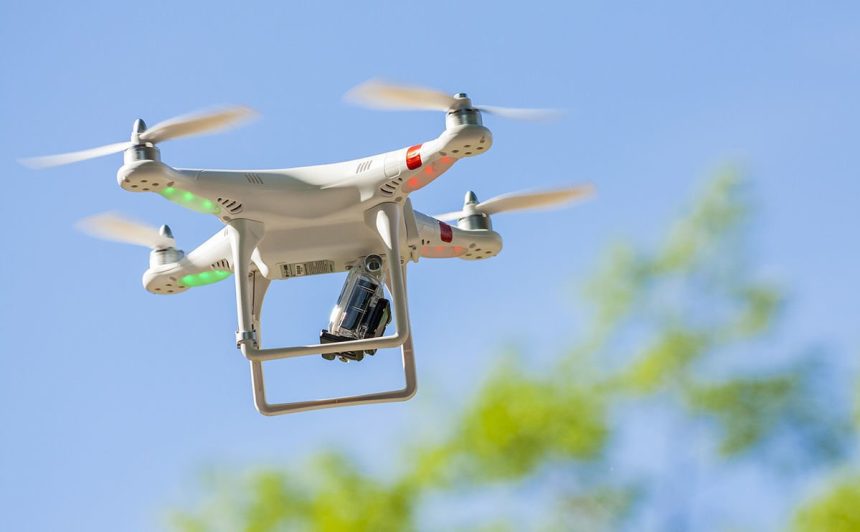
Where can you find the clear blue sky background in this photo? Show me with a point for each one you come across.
(113, 400)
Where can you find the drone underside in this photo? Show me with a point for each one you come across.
(354, 216)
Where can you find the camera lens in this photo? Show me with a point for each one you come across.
(373, 263)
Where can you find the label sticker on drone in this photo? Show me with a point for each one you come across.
(300, 269)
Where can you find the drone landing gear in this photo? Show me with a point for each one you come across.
(244, 235)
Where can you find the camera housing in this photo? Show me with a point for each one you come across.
(361, 311)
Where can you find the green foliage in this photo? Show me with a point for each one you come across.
(613, 289)
(704, 234)
(747, 408)
(758, 304)
(348, 500)
(337, 498)
(691, 302)
(516, 422)
(664, 361)
(837, 510)
(272, 498)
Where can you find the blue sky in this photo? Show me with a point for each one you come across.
(113, 400)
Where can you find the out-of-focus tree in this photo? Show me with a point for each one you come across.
(837, 510)
(679, 335)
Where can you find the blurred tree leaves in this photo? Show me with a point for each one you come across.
(837, 510)
(747, 408)
(517, 421)
(662, 363)
(331, 495)
(662, 321)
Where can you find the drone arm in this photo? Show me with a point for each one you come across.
(208, 263)
(440, 240)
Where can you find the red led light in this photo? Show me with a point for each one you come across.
(428, 170)
(413, 183)
(413, 157)
(440, 249)
(459, 249)
(445, 232)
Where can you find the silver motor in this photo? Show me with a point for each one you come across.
(361, 310)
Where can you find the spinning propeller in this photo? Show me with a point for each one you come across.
(111, 226)
(518, 201)
(380, 95)
(180, 126)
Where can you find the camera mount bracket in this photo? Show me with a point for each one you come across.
(387, 220)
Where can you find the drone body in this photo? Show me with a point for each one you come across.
(353, 216)
(314, 217)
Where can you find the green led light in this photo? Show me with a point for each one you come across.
(190, 200)
(204, 278)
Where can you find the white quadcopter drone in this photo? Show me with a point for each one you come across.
(353, 216)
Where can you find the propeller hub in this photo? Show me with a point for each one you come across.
(473, 219)
(461, 100)
(137, 128)
(160, 257)
(463, 116)
(141, 152)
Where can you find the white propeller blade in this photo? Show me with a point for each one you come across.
(180, 126)
(534, 115)
(111, 226)
(518, 201)
(378, 94)
(197, 123)
(75, 156)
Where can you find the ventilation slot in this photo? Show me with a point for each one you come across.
(254, 179)
(231, 205)
(390, 187)
(222, 264)
(363, 167)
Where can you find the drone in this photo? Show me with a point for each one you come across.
(354, 217)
